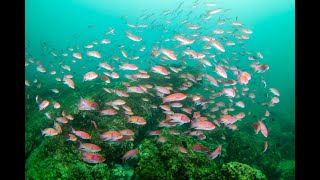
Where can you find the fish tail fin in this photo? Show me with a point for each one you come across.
(193, 124)
(72, 130)
(164, 100)
(208, 156)
(42, 133)
(81, 100)
(168, 117)
(128, 118)
(101, 137)
(81, 144)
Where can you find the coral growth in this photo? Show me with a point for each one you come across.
(236, 170)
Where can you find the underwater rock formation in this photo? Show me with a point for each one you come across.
(236, 170)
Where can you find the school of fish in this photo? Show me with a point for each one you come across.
(231, 77)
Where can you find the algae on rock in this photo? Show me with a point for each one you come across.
(236, 170)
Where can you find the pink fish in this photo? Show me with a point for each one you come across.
(69, 82)
(170, 54)
(275, 100)
(133, 37)
(130, 154)
(229, 92)
(41, 69)
(184, 40)
(181, 149)
(265, 144)
(214, 11)
(62, 120)
(199, 148)
(106, 66)
(135, 89)
(264, 130)
(203, 125)
(215, 153)
(77, 55)
(56, 105)
(167, 123)
(256, 127)
(87, 105)
(90, 76)
(217, 45)
(95, 54)
(275, 91)
(160, 70)
(174, 132)
(81, 134)
(108, 112)
(267, 113)
(221, 72)
(43, 105)
(126, 132)
(71, 137)
(212, 80)
(161, 139)
(48, 115)
(88, 147)
(105, 41)
(49, 132)
(174, 97)
(180, 118)
(110, 136)
(92, 157)
(128, 67)
(137, 120)
(105, 79)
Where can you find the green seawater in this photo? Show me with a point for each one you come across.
(56, 25)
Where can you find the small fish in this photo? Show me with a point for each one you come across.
(215, 153)
(274, 91)
(57, 127)
(137, 120)
(95, 54)
(127, 132)
(69, 82)
(62, 120)
(133, 37)
(90, 76)
(203, 125)
(161, 139)
(263, 128)
(265, 144)
(128, 67)
(48, 115)
(49, 132)
(174, 97)
(43, 104)
(27, 83)
(130, 154)
(199, 148)
(81, 134)
(77, 55)
(88, 147)
(71, 137)
(108, 112)
(110, 136)
(169, 53)
(94, 124)
(92, 157)
(181, 149)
